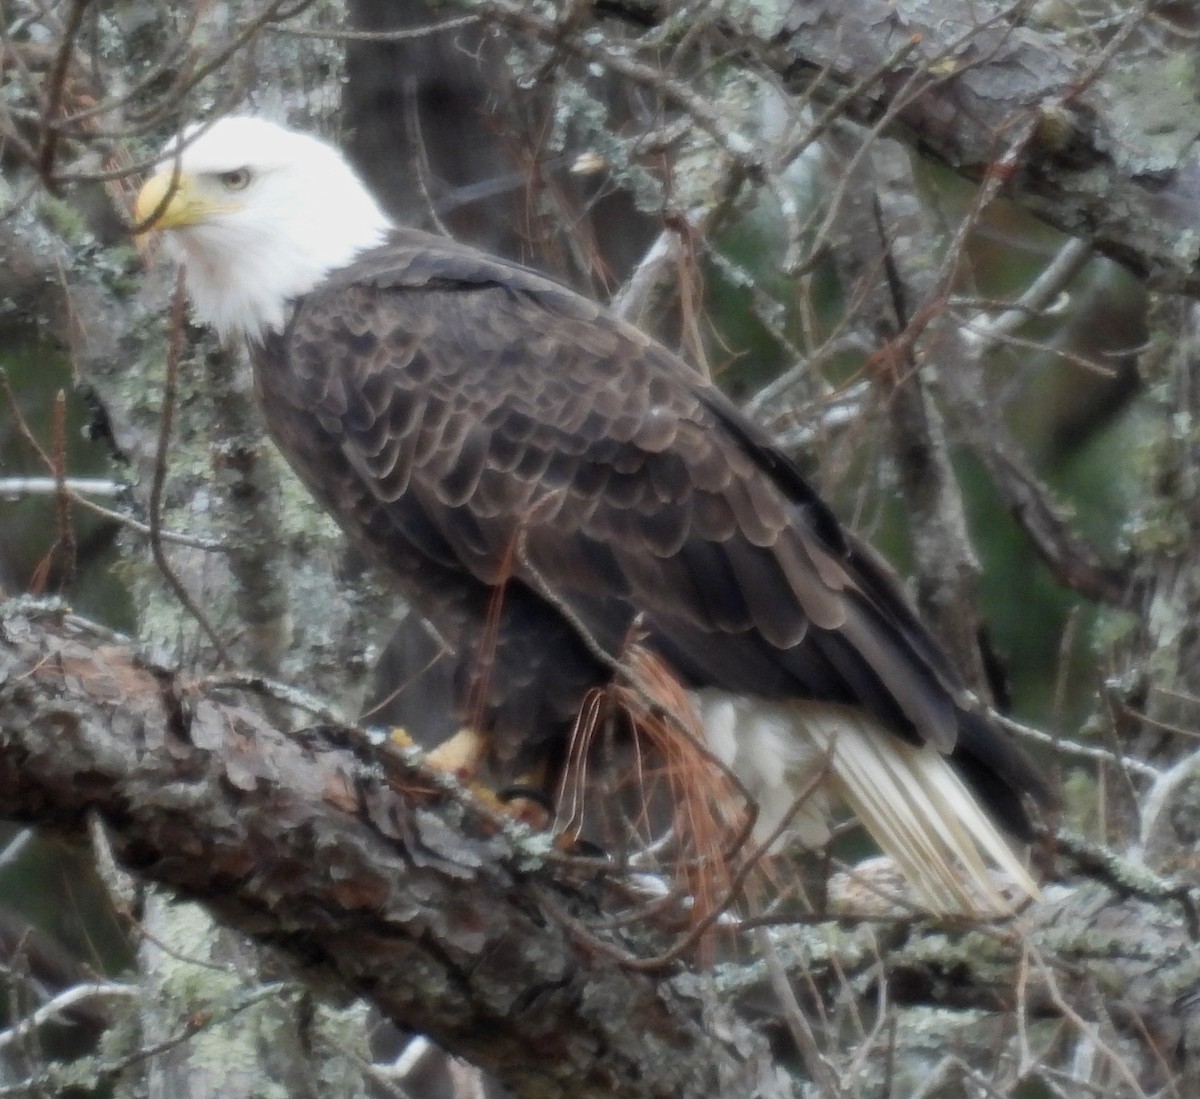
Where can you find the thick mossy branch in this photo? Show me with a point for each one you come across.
(355, 864)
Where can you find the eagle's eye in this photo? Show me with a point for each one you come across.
(235, 180)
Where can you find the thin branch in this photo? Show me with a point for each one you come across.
(1127, 877)
(189, 1028)
(54, 90)
(52, 1010)
(64, 529)
(797, 1022)
(1074, 255)
(166, 420)
(1074, 750)
(1071, 561)
(281, 692)
(343, 35)
(78, 489)
(1086, 1028)
(15, 487)
(15, 846)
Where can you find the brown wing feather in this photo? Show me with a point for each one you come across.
(483, 426)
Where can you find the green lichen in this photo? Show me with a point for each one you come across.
(1155, 111)
(64, 220)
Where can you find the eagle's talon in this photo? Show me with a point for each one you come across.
(581, 848)
(520, 792)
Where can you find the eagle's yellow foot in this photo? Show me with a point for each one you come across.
(461, 755)
(528, 803)
(399, 738)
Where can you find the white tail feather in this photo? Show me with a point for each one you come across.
(909, 798)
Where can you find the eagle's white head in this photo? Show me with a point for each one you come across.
(259, 214)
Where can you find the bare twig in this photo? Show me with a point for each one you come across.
(281, 692)
(1075, 750)
(15, 487)
(1073, 562)
(1070, 260)
(798, 1026)
(64, 528)
(341, 34)
(54, 90)
(52, 1010)
(170, 382)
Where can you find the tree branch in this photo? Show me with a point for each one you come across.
(358, 865)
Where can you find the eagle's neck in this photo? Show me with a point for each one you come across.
(243, 274)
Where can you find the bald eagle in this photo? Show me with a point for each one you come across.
(563, 498)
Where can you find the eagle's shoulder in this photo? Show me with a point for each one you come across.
(412, 259)
(580, 343)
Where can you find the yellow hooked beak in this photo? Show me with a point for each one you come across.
(171, 200)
